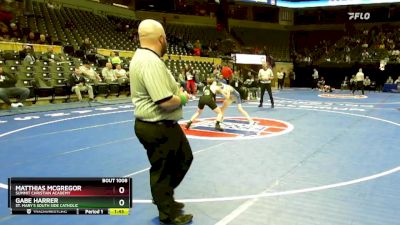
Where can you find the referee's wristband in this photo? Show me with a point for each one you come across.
(183, 99)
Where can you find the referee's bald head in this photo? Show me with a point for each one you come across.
(150, 29)
(152, 35)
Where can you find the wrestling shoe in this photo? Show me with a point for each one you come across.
(252, 123)
(187, 126)
(179, 220)
(218, 127)
(16, 105)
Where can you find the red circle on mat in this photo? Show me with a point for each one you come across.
(236, 128)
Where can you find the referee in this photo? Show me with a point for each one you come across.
(265, 76)
(359, 81)
(158, 107)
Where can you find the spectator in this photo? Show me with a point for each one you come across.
(29, 57)
(216, 71)
(51, 56)
(365, 55)
(109, 74)
(15, 32)
(24, 51)
(281, 78)
(87, 47)
(4, 32)
(389, 80)
(189, 46)
(190, 81)
(78, 83)
(345, 83)
(90, 74)
(31, 38)
(348, 59)
(121, 74)
(8, 89)
(382, 45)
(197, 48)
(397, 81)
(182, 79)
(114, 59)
(367, 83)
(42, 40)
(251, 85)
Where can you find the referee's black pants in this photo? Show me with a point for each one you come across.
(170, 157)
(266, 86)
(315, 84)
(359, 85)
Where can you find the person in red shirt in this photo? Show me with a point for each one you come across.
(226, 72)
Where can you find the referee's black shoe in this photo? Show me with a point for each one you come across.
(178, 205)
(175, 205)
(179, 220)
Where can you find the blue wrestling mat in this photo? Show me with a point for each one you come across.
(310, 160)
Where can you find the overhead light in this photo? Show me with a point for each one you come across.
(119, 5)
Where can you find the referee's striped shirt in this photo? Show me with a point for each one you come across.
(151, 81)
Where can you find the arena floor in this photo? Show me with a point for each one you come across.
(329, 160)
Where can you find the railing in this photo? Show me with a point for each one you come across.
(16, 46)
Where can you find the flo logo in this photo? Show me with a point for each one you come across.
(359, 15)
(237, 128)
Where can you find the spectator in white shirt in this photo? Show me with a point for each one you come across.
(281, 78)
(90, 74)
(365, 55)
(191, 81)
(109, 74)
(120, 73)
(359, 81)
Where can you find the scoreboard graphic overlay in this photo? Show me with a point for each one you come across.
(78, 196)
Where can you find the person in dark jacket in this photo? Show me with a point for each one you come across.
(8, 89)
(79, 84)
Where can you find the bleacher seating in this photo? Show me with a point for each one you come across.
(276, 42)
(69, 27)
